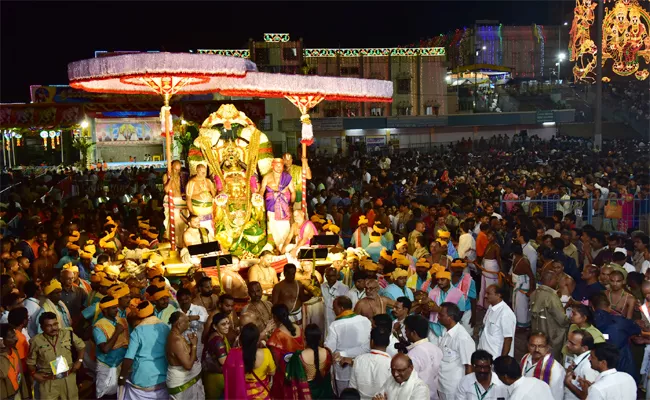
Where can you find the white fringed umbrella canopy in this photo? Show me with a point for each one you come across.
(185, 73)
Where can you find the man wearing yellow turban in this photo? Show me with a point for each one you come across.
(111, 334)
(122, 293)
(398, 286)
(375, 247)
(160, 297)
(443, 292)
(462, 280)
(52, 303)
(421, 277)
(361, 236)
(147, 343)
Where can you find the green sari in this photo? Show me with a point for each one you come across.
(303, 389)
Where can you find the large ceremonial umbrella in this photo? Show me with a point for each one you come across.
(183, 73)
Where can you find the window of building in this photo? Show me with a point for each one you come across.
(404, 86)
(262, 56)
(377, 111)
(428, 110)
(267, 123)
(290, 53)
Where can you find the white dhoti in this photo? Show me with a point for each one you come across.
(179, 221)
(106, 379)
(131, 392)
(520, 300)
(296, 316)
(489, 276)
(278, 229)
(313, 312)
(183, 384)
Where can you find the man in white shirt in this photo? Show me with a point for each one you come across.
(370, 371)
(499, 324)
(425, 355)
(610, 384)
(579, 346)
(405, 383)
(457, 347)
(348, 337)
(539, 363)
(528, 249)
(32, 305)
(520, 387)
(358, 292)
(197, 315)
(482, 384)
(331, 289)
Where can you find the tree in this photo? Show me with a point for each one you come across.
(84, 145)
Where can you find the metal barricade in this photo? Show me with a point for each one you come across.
(634, 212)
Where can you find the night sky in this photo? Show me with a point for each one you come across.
(39, 39)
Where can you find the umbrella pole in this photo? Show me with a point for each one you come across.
(304, 180)
(168, 156)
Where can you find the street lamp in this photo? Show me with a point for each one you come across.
(560, 58)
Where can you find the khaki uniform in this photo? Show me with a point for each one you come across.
(548, 316)
(42, 352)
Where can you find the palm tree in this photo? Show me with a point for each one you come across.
(84, 145)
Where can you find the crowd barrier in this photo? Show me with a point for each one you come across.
(630, 213)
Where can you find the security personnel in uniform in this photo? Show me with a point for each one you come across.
(50, 360)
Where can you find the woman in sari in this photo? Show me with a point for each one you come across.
(307, 381)
(214, 356)
(286, 339)
(249, 370)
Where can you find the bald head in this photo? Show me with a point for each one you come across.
(401, 368)
(549, 278)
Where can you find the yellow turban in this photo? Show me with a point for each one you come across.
(370, 266)
(109, 221)
(443, 275)
(108, 304)
(317, 218)
(74, 237)
(442, 242)
(145, 309)
(444, 234)
(106, 282)
(97, 277)
(70, 267)
(112, 270)
(151, 235)
(363, 220)
(154, 271)
(422, 262)
(458, 264)
(158, 282)
(85, 255)
(72, 246)
(160, 294)
(399, 273)
(155, 259)
(401, 260)
(375, 237)
(100, 267)
(143, 224)
(402, 242)
(329, 226)
(384, 254)
(119, 291)
(52, 286)
(133, 304)
(435, 268)
(378, 228)
(142, 243)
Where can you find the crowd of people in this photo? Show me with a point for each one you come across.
(444, 265)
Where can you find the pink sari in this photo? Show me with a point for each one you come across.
(280, 345)
(235, 375)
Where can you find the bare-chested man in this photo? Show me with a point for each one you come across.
(183, 363)
(296, 173)
(264, 273)
(259, 309)
(206, 297)
(302, 230)
(200, 194)
(291, 293)
(373, 304)
(176, 184)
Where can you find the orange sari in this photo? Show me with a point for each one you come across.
(282, 344)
